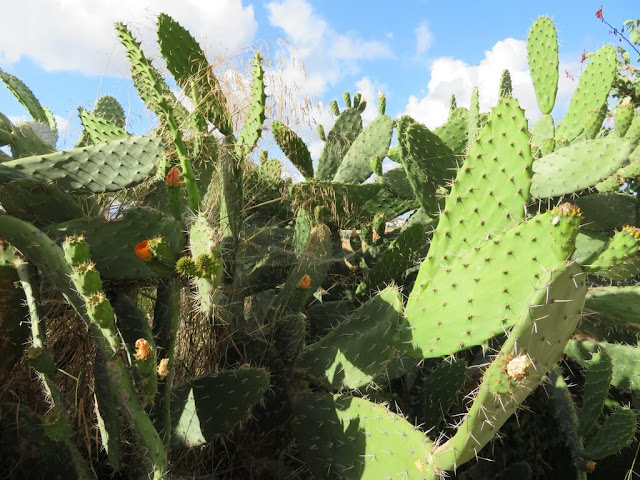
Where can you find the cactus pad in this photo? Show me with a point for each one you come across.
(617, 431)
(107, 167)
(589, 102)
(542, 53)
(343, 133)
(294, 148)
(372, 142)
(578, 166)
(212, 405)
(25, 96)
(352, 438)
(484, 200)
(357, 351)
(112, 242)
(485, 291)
(532, 348)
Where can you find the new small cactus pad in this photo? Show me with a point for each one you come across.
(542, 53)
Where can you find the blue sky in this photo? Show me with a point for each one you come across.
(417, 52)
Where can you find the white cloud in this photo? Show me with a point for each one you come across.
(78, 35)
(449, 76)
(424, 37)
(327, 54)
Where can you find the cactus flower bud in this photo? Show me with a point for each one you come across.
(173, 177)
(143, 251)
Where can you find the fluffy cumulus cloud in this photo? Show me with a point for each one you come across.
(323, 55)
(451, 76)
(78, 35)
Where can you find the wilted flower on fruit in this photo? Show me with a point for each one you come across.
(163, 368)
(143, 349)
(143, 251)
(173, 177)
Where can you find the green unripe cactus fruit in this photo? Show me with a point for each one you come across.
(186, 267)
(376, 164)
(617, 253)
(346, 96)
(357, 98)
(333, 105)
(100, 310)
(76, 250)
(382, 103)
(86, 278)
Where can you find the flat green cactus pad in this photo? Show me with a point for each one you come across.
(212, 405)
(106, 167)
(343, 133)
(351, 438)
(357, 351)
(483, 293)
(578, 166)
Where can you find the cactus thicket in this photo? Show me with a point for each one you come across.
(233, 322)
